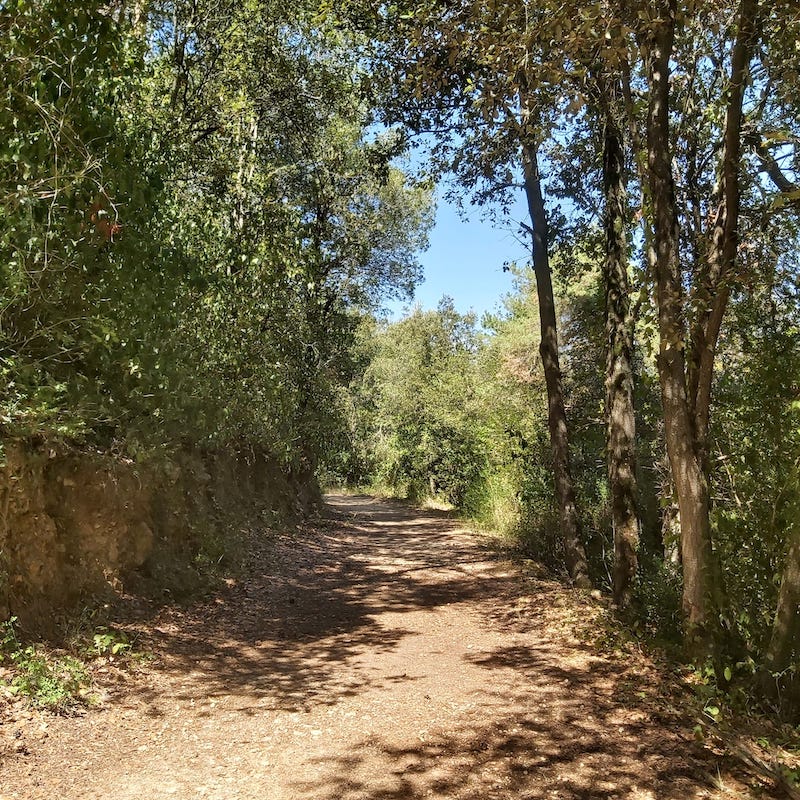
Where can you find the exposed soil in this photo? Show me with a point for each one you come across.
(382, 652)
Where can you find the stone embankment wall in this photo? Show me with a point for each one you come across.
(76, 525)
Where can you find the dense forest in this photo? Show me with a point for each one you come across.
(206, 205)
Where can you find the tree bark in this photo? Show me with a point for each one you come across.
(784, 645)
(574, 552)
(716, 278)
(686, 388)
(620, 413)
(691, 485)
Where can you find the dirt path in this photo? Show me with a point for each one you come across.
(383, 653)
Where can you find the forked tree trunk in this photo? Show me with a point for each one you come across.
(620, 413)
(686, 388)
(574, 552)
(691, 485)
(719, 271)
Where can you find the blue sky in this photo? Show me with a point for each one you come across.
(465, 261)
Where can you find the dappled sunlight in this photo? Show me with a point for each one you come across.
(384, 653)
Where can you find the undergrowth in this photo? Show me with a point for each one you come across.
(720, 698)
(59, 680)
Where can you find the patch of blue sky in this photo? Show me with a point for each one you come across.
(466, 257)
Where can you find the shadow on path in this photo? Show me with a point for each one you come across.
(285, 635)
(551, 719)
(380, 653)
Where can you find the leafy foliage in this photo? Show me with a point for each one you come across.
(194, 213)
(56, 683)
(199, 218)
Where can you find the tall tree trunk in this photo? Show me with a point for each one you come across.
(716, 278)
(557, 418)
(686, 388)
(620, 413)
(778, 676)
(691, 485)
(137, 11)
(784, 645)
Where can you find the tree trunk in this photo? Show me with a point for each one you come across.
(691, 485)
(784, 645)
(718, 274)
(557, 418)
(620, 413)
(686, 388)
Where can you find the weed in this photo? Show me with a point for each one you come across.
(220, 549)
(55, 682)
(8, 637)
(212, 550)
(110, 642)
(54, 679)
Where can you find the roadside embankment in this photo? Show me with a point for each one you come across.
(77, 524)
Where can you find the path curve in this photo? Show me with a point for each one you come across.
(382, 652)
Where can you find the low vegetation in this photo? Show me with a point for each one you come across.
(60, 679)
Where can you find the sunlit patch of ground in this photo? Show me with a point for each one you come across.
(383, 652)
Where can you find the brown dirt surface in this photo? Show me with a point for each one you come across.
(380, 652)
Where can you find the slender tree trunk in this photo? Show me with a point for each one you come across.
(557, 418)
(686, 388)
(718, 274)
(138, 10)
(179, 41)
(778, 678)
(691, 485)
(784, 645)
(620, 413)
